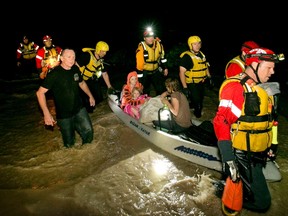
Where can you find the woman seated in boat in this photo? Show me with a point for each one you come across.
(178, 106)
(127, 97)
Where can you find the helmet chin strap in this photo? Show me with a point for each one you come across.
(256, 73)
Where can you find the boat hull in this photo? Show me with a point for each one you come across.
(193, 151)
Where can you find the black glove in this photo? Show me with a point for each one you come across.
(231, 169)
(272, 152)
(111, 90)
(186, 92)
(229, 166)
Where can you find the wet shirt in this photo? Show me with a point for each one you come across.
(64, 85)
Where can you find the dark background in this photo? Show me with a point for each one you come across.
(222, 29)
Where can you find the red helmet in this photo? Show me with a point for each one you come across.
(47, 37)
(261, 54)
(249, 45)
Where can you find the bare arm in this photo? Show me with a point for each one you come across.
(173, 106)
(48, 118)
(87, 91)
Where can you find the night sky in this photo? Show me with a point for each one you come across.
(222, 31)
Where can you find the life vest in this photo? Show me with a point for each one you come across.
(253, 130)
(93, 68)
(198, 73)
(153, 56)
(28, 51)
(51, 57)
(236, 60)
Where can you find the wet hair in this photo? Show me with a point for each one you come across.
(138, 89)
(173, 84)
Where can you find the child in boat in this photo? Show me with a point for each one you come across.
(134, 109)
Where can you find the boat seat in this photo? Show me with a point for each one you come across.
(204, 134)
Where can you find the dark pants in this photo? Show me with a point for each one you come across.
(169, 125)
(27, 68)
(196, 97)
(81, 122)
(156, 79)
(256, 193)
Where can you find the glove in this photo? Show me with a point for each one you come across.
(229, 166)
(230, 169)
(272, 152)
(111, 90)
(186, 92)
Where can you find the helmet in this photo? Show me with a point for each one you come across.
(47, 37)
(101, 45)
(262, 54)
(193, 39)
(249, 45)
(148, 33)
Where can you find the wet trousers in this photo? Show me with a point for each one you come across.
(156, 79)
(255, 189)
(81, 123)
(196, 97)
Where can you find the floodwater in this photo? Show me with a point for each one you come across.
(117, 174)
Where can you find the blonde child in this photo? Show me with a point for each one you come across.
(139, 99)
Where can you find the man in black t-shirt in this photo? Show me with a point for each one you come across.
(64, 82)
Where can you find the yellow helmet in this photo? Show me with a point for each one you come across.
(101, 45)
(193, 39)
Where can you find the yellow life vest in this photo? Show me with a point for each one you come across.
(237, 60)
(28, 50)
(253, 132)
(152, 55)
(93, 68)
(198, 73)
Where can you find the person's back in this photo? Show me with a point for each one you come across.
(237, 64)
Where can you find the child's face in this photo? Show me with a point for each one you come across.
(136, 94)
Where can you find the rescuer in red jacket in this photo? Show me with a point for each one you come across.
(47, 57)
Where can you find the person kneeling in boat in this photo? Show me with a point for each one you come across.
(178, 106)
(127, 99)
